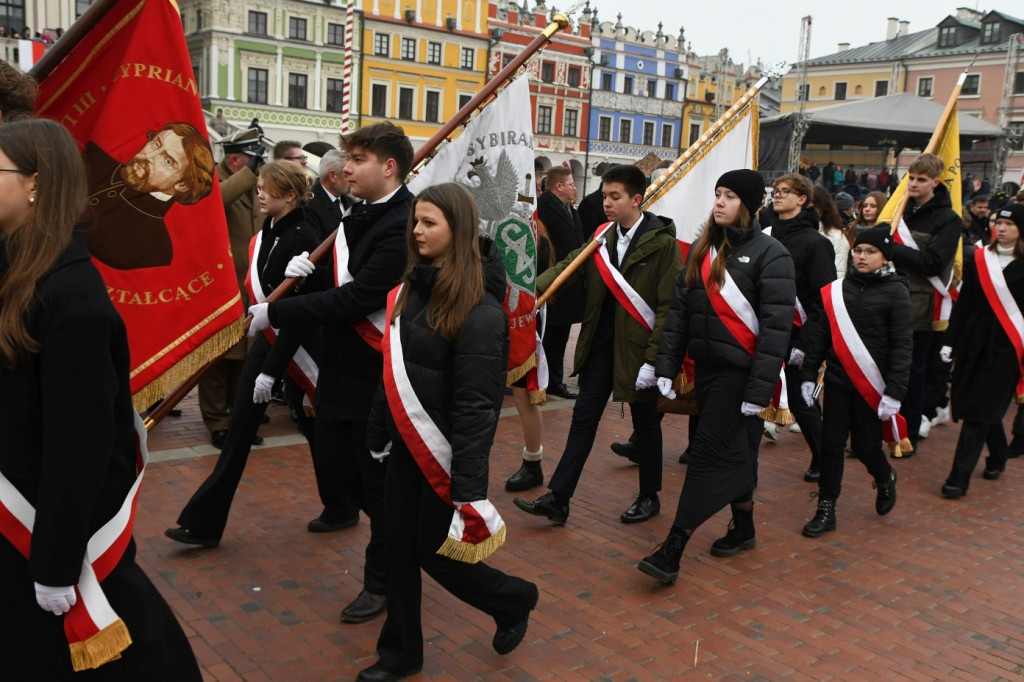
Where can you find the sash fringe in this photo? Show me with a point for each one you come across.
(212, 348)
(539, 397)
(940, 325)
(469, 553)
(103, 647)
(308, 411)
(1019, 399)
(777, 415)
(898, 449)
(517, 373)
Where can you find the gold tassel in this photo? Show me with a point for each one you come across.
(517, 373)
(897, 449)
(103, 647)
(538, 397)
(467, 552)
(940, 325)
(1019, 399)
(777, 415)
(309, 411)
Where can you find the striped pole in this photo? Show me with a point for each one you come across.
(346, 87)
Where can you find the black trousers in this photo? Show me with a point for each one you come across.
(974, 435)
(596, 378)
(356, 481)
(719, 472)
(936, 383)
(206, 514)
(913, 401)
(808, 417)
(848, 414)
(556, 336)
(417, 524)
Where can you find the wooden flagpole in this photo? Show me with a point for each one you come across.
(67, 42)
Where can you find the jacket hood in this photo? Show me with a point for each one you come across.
(806, 219)
(736, 235)
(940, 199)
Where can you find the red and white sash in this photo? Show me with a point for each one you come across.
(799, 314)
(371, 327)
(1003, 304)
(477, 530)
(943, 298)
(301, 368)
(95, 633)
(860, 367)
(625, 294)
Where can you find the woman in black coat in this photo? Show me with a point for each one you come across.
(987, 369)
(445, 355)
(878, 302)
(734, 375)
(68, 436)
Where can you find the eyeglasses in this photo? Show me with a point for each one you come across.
(781, 192)
(865, 252)
(297, 158)
(15, 170)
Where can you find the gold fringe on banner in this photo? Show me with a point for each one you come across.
(539, 397)
(517, 373)
(103, 647)
(469, 553)
(212, 348)
(777, 415)
(1019, 399)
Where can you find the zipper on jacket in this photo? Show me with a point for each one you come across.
(263, 272)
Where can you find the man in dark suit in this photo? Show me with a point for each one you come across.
(565, 232)
(330, 195)
(348, 477)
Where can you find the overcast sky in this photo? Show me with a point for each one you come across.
(771, 30)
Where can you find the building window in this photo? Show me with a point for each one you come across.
(543, 120)
(1017, 135)
(296, 28)
(840, 91)
(258, 23)
(670, 91)
(694, 133)
(335, 90)
(652, 88)
(405, 103)
(881, 88)
(627, 85)
(506, 60)
(971, 85)
(947, 36)
(335, 34)
(382, 44)
(648, 133)
(297, 90)
(604, 128)
(924, 87)
(991, 32)
(625, 130)
(257, 86)
(433, 53)
(464, 100)
(569, 122)
(574, 76)
(1018, 83)
(607, 81)
(80, 7)
(379, 100)
(547, 72)
(408, 49)
(468, 54)
(666, 135)
(432, 113)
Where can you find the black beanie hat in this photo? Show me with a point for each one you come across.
(878, 236)
(748, 185)
(1014, 212)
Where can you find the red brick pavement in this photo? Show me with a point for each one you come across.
(932, 591)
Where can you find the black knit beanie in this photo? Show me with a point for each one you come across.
(748, 186)
(1014, 212)
(878, 236)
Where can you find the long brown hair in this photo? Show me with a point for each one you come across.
(827, 211)
(460, 283)
(703, 245)
(880, 200)
(43, 147)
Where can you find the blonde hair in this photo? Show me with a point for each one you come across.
(281, 177)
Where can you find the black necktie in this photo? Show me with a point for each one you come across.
(623, 230)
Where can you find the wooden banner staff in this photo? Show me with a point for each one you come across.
(559, 22)
(67, 42)
(774, 71)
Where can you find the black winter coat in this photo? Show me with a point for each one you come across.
(349, 369)
(814, 266)
(323, 214)
(460, 383)
(879, 306)
(985, 369)
(763, 271)
(566, 235)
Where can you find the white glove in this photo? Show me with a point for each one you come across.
(646, 378)
(56, 600)
(796, 358)
(665, 386)
(807, 392)
(946, 354)
(300, 266)
(260, 318)
(379, 456)
(749, 409)
(887, 408)
(263, 388)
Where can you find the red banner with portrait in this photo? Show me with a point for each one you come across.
(155, 224)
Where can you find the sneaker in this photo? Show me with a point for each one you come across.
(794, 428)
(771, 432)
(926, 426)
(941, 416)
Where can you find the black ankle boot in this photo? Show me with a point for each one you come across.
(824, 520)
(528, 476)
(739, 537)
(885, 498)
(663, 564)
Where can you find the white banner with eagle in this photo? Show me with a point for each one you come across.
(493, 158)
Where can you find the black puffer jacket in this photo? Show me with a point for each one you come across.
(879, 305)
(460, 383)
(763, 271)
(814, 266)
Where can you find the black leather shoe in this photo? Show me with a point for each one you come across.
(185, 536)
(562, 391)
(547, 506)
(366, 606)
(627, 450)
(645, 507)
(218, 437)
(991, 474)
(327, 525)
(508, 638)
(885, 498)
(528, 476)
(812, 475)
(685, 457)
(257, 440)
(378, 673)
(952, 492)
